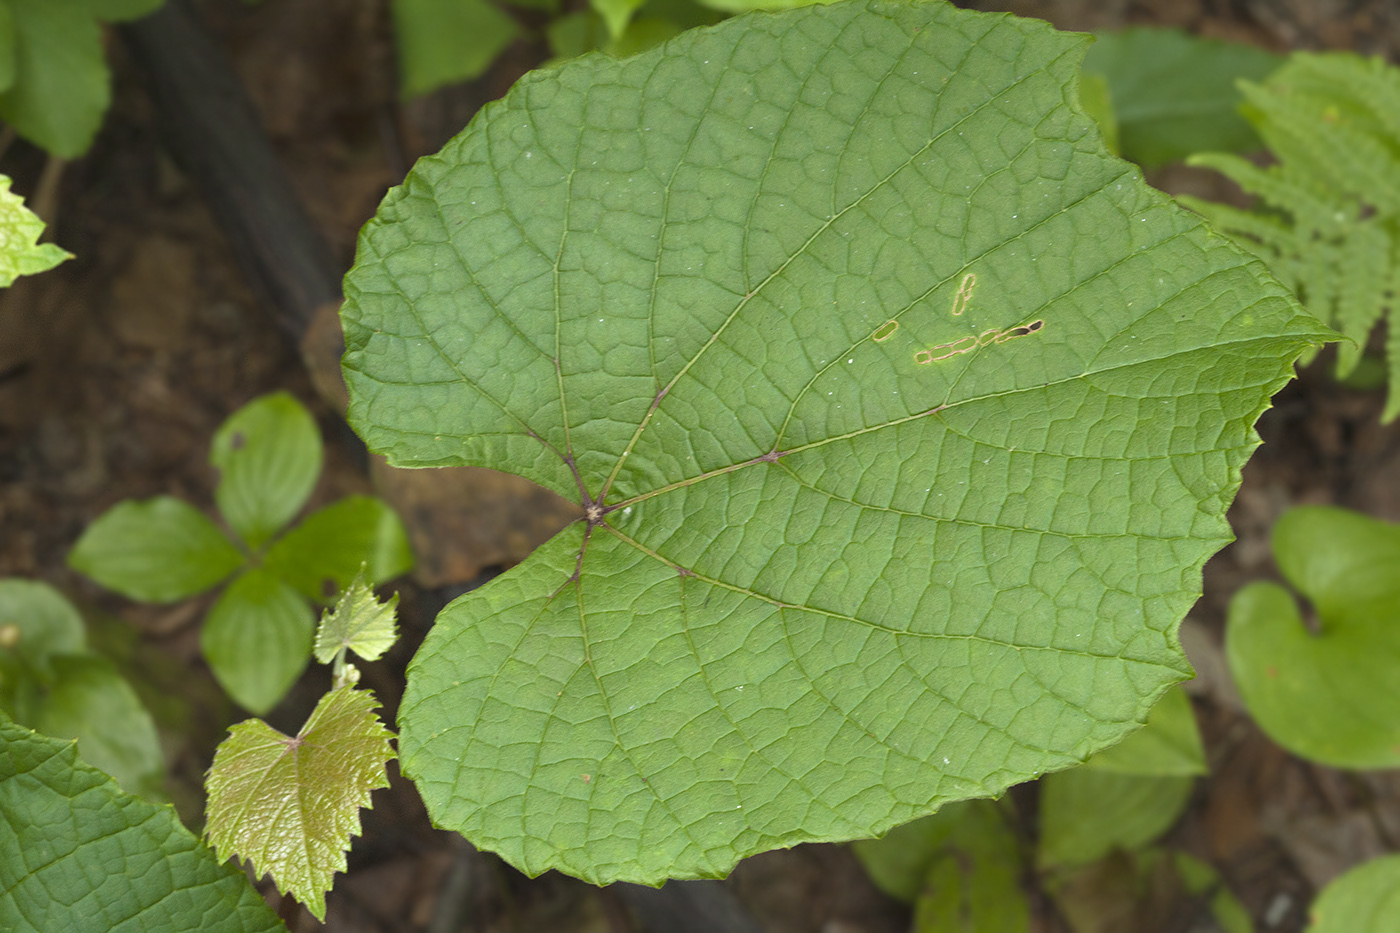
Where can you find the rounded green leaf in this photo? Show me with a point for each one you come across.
(78, 854)
(268, 454)
(1086, 813)
(321, 555)
(257, 639)
(45, 623)
(1330, 696)
(61, 85)
(1364, 900)
(446, 41)
(159, 550)
(91, 702)
(903, 417)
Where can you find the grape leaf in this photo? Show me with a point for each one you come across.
(21, 253)
(902, 415)
(78, 854)
(359, 622)
(290, 804)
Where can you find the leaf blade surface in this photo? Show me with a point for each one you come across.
(906, 417)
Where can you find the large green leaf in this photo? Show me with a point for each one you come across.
(903, 417)
(77, 854)
(1331, 696)
(159, 550)
(1169, 743)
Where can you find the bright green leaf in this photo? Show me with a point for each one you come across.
(62, 86)
(1087, 812)
(1332, 696)
(446, 41)
(78, 854)
(268, 454)
(359, 622)
(1364, 900)
(1170, 742)
(960, 868)
(903, 417)
(91, 702)
(1174, 94)
(20, 251)
(290, 805)
(321, 555)
(257, 639)
(158, 550)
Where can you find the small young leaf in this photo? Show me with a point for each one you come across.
(268, 454)
(1087, 812)
(359, 622)
(445, 41)
(91, 702)
(1333, 696)
(1364, 900)
(20, 251)
(77, 853)
(157, 550)
(290, 805)
(1170, 743)
(257, 639)
(322, 554)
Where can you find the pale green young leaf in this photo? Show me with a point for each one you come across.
(322, 554)
(91, 702)
(1169, 743)
(268, 454)
(257, 639)
(904, 417)
(446, 41)
(61, 85)
(20, 251)
(1330, 696)
(359, 622)
(79, 854)
(1364, 900)
(158, 550)
(1086, 813)
(290, 804)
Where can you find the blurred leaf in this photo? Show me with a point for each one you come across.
(61, 87)
(1364, 900)
(45, 622)
(616, 14)
(158, 550)
(745, 6)
(78, 854)
(446, 41)
(8, 46)
(359, 622)
(1169, 744)
(1096, 101)
(257, 639)
(899, 861)
(321, 555)
(576, 34)
(91, 702)
(1201, 878)
(268, 454)
(21, 253)
(1151, 889)
(113, 11)
(1087, 812)
(290, 805)
(1174, 94)
(1333, 696)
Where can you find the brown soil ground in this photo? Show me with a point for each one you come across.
(116, 368)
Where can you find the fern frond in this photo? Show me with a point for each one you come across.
(1328, 221)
